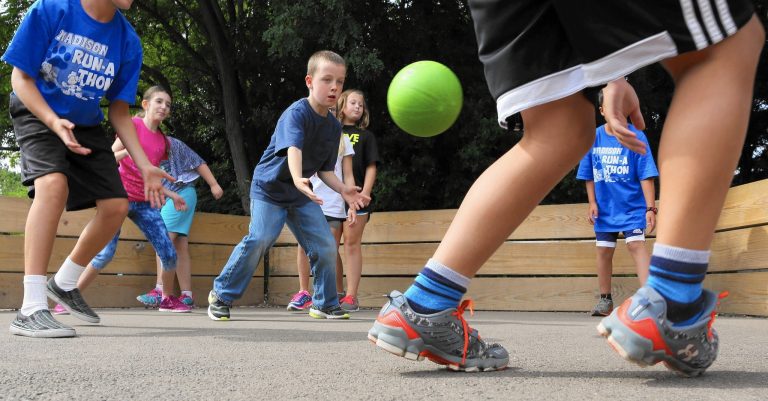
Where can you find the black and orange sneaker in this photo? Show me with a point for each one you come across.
(444, 338)
(639, 331)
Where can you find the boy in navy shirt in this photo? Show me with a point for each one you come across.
(67, 55)
(305, 142)
(622, 199)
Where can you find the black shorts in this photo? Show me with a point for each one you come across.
(90, 178)
(537, 51)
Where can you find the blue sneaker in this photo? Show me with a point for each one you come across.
(639, 331)
(300, 301)
(151, 299)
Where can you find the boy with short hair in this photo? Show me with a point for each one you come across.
(710, 52)
(305, 142)
(622, 199)
(66, 56)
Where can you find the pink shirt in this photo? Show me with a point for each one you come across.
(153, 143)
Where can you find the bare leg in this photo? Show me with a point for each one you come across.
(339, 264)
(85, 280)
(42, 221)
(557, 135)
(604, 268)
(110, 214)
(353, 236)
(302, 261)
(642, 259)
(183, 261)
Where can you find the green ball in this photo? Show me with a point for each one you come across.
(424, 98)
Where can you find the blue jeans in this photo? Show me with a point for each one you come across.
(267, 220)
(150, 222)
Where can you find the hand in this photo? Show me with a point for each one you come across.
(650, 221)
(619, 102)
(354, 198)
(63, 128)
(592, 213)
(216, 191)
(303, 185)
(153, 185)
(179, 203)
(368, 197)
(351, 217)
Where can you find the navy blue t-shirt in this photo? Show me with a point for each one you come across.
(301, 127)
(75, 59)
(617, 172)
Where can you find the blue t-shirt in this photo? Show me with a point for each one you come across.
(617, 172)
(301, 127)
(75, 59)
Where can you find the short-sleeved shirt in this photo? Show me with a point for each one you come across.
(333, 203)
(301, 127)
(154, 144)
(617, 172)
(76, 60)
(366, 151)
(182, 164)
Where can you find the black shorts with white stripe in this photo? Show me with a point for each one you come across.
(537, 51)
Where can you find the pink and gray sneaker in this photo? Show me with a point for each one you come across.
(173, 304)
(301, 301)
(60, 310)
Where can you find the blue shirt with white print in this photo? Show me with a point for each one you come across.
(318, 138)
(617, 172)
(76, 60)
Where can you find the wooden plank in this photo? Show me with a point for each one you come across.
(112, 291)
(131, 257)
(745, 205)
(742, 249)
(749, 292)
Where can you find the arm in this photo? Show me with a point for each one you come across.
(619, 102)
(351, 194)
(119, 150)
(370, 179)
(207, 175)
(592, 202)
(301, 183)
(347, 172)
(24, 87)
(649, 193)
(126, 132)
(178, 202)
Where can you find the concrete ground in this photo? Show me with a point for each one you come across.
(268, 353)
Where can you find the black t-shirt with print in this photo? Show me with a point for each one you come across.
(366, 151)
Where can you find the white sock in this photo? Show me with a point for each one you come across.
(68, 274)
(35, 297)
(187, 293)
(159, 287)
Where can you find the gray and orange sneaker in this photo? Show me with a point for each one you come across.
(639, 331)
(444, 338)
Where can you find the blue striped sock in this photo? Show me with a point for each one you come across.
(677, 274)
(436, 289)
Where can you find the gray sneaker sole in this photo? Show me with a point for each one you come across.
(217, 318)
(317, 314)
(90, 319)
(52, 333)
(395, 341)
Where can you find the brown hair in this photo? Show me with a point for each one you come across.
(342, 102)
(323, 55)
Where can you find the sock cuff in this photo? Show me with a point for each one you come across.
(35, 279)
(681, 254)
(448, 273)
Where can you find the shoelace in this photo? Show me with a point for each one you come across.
(298, 296)
(467, 303)
(720, 296)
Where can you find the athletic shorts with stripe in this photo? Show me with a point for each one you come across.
(537, 51)
(608, 239)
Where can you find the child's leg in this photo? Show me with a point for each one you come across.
(302, 262)
(151, 224)
(353, 237)
(42, 221)
(110, 214)
(183, 261)
(336, 231)
(642, 259)
(604, 268)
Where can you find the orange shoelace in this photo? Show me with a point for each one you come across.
(720, 296)
(467, 303)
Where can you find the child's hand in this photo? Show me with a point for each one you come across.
(619, 102)
(179, 203)
(592, 213)
(650, 221)
(153, 185)
(351, 217)
(63, 128)
(354, 198)
(217, 192)
(303, 185)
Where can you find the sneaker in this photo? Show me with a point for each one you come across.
(300, 302)
(73, 301)
(59, 310)
(173, 304)
(604, 307)
(349, 304)
(40, 324)
(444, 338)
(187, 300)
(639, 331)
(217, 309)
(152, 298)
(333, 312)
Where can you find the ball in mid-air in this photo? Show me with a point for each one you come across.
(424, 98)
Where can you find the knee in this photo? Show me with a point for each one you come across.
(52, 188)
(113, 209)
(636, 246)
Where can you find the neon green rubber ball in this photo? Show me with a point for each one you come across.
(424, 98)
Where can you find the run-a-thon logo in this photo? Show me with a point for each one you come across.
(78, 66)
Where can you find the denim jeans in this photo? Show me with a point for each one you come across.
(267, 220)
(150, 222)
